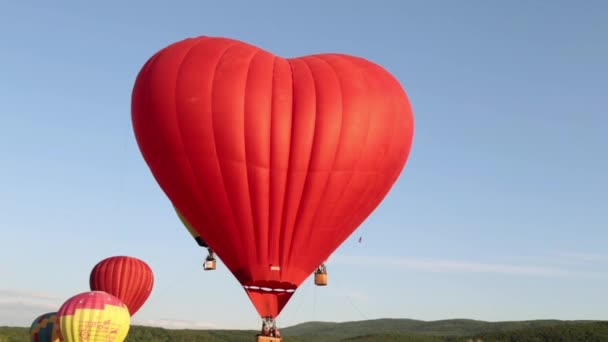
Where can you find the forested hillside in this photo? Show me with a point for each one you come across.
(385, 330)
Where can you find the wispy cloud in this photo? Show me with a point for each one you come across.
(18, 301)
(460, 267)
(26, 294)
(176, 324)
(583, 257)
(560, 259)
(21, 305)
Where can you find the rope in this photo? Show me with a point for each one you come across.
(350, 301)
(314, 303)
(159, 294)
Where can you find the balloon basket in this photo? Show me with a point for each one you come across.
(321, 279)
(261, 338)
(209, 265)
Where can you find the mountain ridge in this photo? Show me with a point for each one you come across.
(383, 329)
(451, 327)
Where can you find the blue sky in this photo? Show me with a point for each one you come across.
(500, 213)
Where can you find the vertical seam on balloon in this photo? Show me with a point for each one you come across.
(371, 191)
(288, 257)
(270, 173)
(286, 188)
(107, 268)
(219, 62)
(134, 283)
(115, 274)
(88, 315)
(249, 192)
(363, 148)
(143, 274)
(119, 290)
(177, 121)
(376, 192)
(138, 273)
(359, 155)
(179, 129)
(395, 175)
(338, 146)
(200, 191)
(143, 293)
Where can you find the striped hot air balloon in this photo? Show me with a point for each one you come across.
(129, 279)
(44, 328)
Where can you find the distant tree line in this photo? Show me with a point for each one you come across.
(565, 332)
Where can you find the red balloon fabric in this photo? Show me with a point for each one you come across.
(275, 161)
(127, 278)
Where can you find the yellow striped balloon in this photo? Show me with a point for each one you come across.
(93, 316)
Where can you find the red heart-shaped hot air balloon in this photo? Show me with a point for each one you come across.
(275, 161)
(127, 278)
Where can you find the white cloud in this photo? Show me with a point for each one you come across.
(22, 305)
(583, 257)
(26, 294)
(175, 324)
(460, 267)
(20, 308)
(560, 259)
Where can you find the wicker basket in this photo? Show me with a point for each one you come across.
(321, 279)
(268, 339)
(209, 265)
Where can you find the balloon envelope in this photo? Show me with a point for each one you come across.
(93, 316)
(44, 328)
(191, 230)
(274, 161)
(128, 278)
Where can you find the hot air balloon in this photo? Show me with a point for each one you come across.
(128, 278)
(44, 328)
(274, 161)
(93, 316)
(210, 261)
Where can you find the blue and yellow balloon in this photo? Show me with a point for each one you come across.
(44, 328)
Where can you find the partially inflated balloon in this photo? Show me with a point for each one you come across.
(274, 161)
(44, 328)
(93, 316)
(128, 278)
